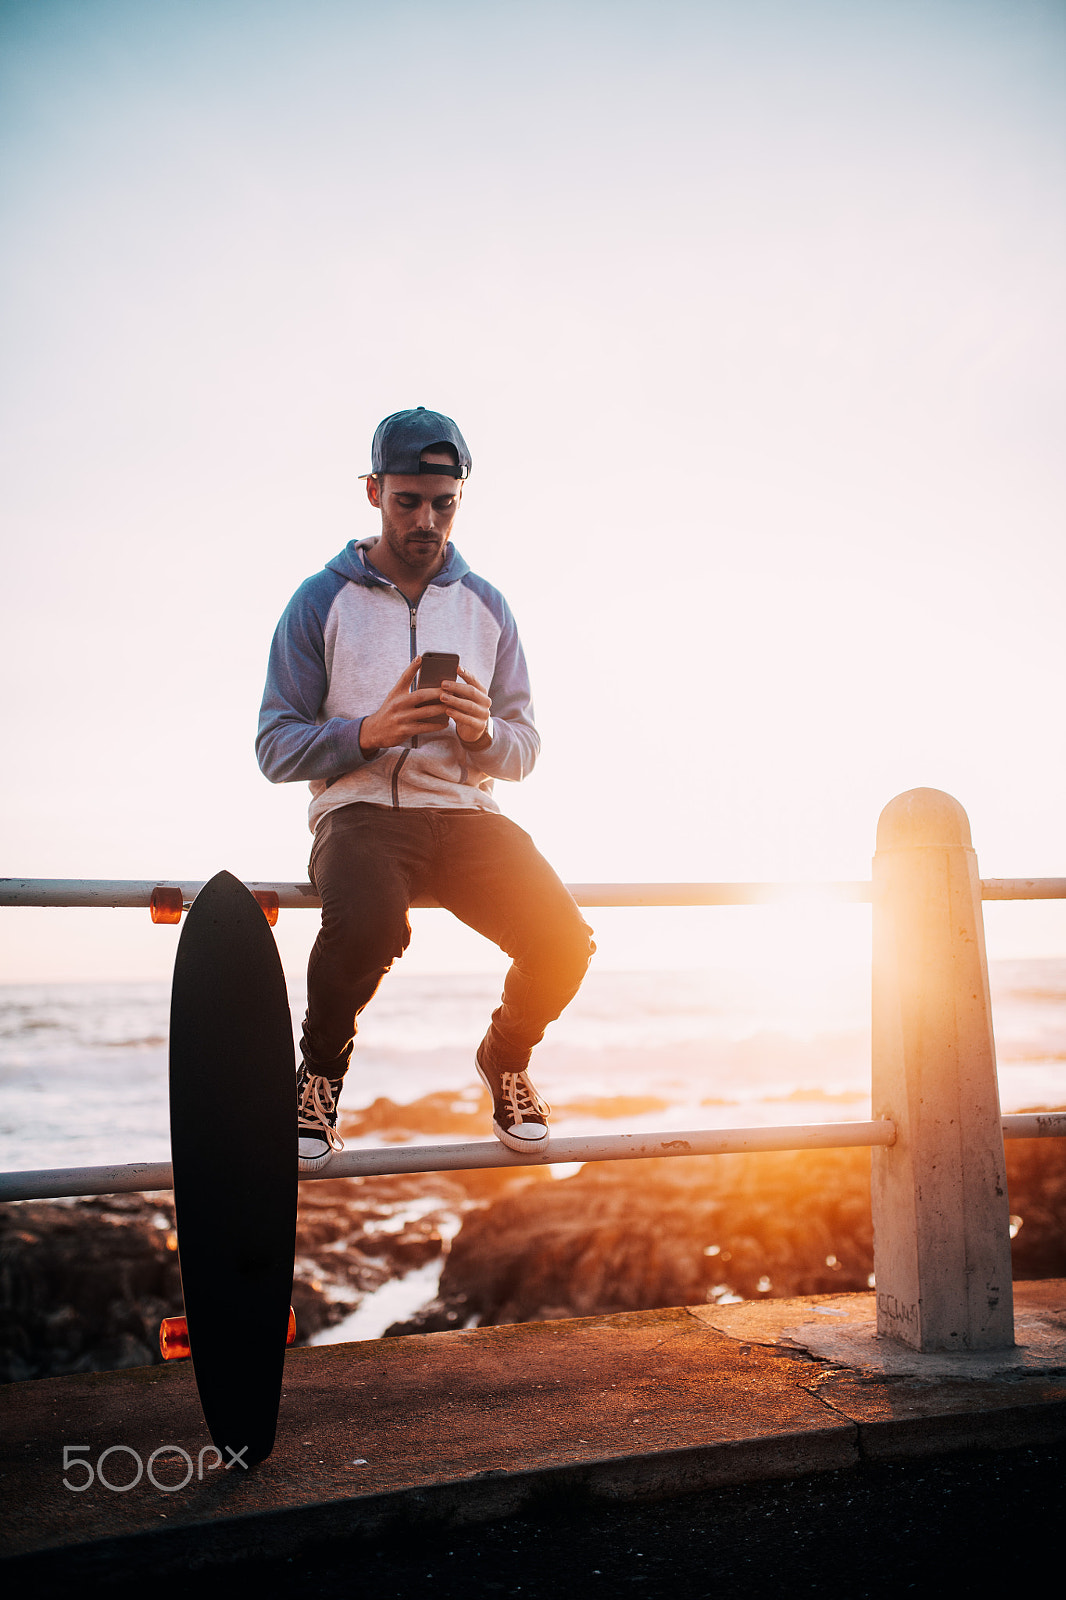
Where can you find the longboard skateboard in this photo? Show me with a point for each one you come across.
(233, 1144)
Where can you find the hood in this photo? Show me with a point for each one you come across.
(350, 564)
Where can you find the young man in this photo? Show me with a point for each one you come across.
(401, 806)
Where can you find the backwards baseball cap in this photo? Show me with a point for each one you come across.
(400, 440)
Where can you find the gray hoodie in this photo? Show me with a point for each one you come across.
(346, 635)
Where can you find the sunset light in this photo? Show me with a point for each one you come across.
(560, 505)
(754, 332)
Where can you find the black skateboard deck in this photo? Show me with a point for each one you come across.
(233, 1144)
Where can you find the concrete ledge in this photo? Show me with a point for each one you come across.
(451, 1428)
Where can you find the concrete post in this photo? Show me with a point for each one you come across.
(941, 1226)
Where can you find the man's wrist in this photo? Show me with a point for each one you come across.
(366, 749)
(483, 740)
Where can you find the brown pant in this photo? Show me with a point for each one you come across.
(369, 862)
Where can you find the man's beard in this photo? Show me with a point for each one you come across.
(415, 551)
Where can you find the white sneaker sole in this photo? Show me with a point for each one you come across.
(314, 1163)
(514, 1141)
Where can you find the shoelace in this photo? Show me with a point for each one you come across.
(522, 1097)
(317, 1105)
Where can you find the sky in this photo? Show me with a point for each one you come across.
(752, 315)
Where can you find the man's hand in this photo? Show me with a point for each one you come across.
(403, 713)
(468, 705)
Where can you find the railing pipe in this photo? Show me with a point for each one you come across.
(118, 893)
(1023, 888)
(395, 1160)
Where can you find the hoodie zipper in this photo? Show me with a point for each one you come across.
(412, 611)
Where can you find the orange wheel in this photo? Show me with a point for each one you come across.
(174, 1339)
(166, 904)
(268, 901)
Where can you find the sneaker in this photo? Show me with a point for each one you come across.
(519, 1115)
(316, 1121)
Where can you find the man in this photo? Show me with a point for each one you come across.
(400, 806)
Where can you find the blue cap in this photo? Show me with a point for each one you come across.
(401, 439)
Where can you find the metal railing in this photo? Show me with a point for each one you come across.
(136, 1177)
(394, 1161)
(131, 893)
(942, 1289)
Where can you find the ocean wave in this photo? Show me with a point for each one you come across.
(83, 1067)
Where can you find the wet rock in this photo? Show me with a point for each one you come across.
(438, 1316)
(354, 1234)
(612, 1107)
(1036, 1183)
(469, 1114)
(84, 1285)
(466, 1114)
(630, 1236)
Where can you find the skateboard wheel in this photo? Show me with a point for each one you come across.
(166, 904)
(174, 1337)
(268, 902)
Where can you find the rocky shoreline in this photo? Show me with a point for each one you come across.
(704, 1229)
(84, 1284)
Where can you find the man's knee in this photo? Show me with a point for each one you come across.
(563, 952)
(363, 939)
(579, 952)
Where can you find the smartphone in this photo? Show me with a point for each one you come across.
(437, 666)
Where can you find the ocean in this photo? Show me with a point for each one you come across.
(83, 1067)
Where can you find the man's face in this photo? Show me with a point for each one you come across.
(417, 514)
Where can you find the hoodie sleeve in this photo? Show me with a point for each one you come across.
(515, 741)
(292, 744)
